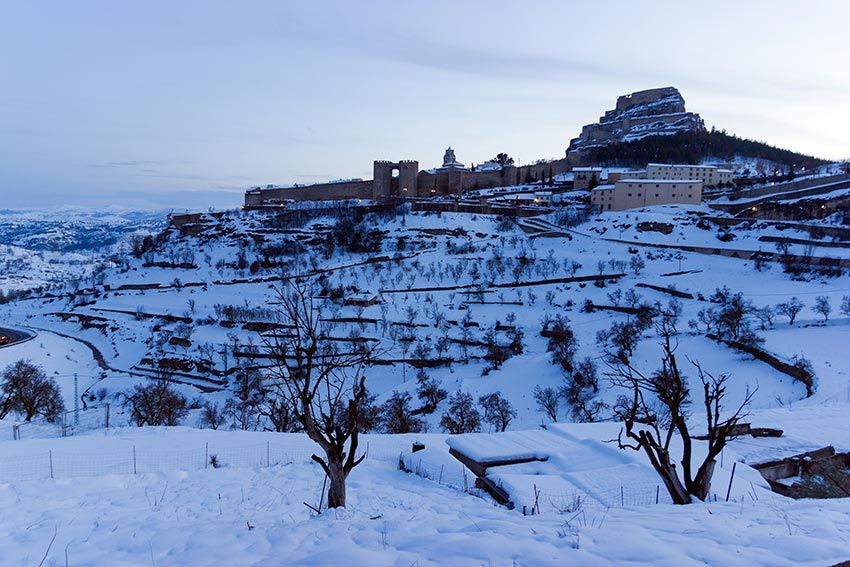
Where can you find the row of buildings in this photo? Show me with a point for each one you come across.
(658, 184)
(710, 175)
(609, 190)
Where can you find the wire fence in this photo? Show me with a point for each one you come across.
(117, 456)
(530, 499)
(124, 458)
(63, 425)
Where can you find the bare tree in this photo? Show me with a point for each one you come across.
(579, 390)
(655, 412)
(279, 412)
(561, 342)
(822, 307)
(765, 316)
(212, 415)
(636, 264)
(157, 403)
(243, 408)
(397, 415)
(790, 309)
(27, 390)
(429, 391)
(498, 411)
(325, 385)
(548, 401)
(461, 415)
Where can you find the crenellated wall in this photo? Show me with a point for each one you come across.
(410, 182)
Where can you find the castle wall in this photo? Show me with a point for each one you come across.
(408, 172)
(409, 183)
(643, 97)
(541, 170)
(384, 184)
(328, 191)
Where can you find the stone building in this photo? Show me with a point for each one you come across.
(710, 175)
(405, 185)
(636, 193)
(583, 177)
(450, 161)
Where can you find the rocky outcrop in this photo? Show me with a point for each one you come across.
(653, 112)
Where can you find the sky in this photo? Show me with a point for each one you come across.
(156, 104)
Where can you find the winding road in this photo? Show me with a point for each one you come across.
(11, 337)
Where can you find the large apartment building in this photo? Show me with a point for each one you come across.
(636, 193)
(710, 175)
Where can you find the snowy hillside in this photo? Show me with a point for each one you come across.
(73, 230)
(452, 304)
(42, 249)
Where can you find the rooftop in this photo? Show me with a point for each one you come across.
(659, 181)
(681, 165)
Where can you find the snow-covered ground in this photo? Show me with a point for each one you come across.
(254, 514)
(127, 338)
(450, 268)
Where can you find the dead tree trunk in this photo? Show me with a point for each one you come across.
(323, 385)
(655, 412)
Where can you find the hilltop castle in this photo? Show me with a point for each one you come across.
(637, 115)
(404, 179)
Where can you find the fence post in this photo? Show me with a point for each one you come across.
(622, 503)
(268, 455)
(731, 478)
(76, 401)
(134, 460)
(16, 432)
(657, 491)
(50, 456)
(206, 454)
(107, 415)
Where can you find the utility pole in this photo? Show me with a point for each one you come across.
(76, 400)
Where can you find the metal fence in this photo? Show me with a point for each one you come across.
(63, 462)
(532, 500)
(64, 425)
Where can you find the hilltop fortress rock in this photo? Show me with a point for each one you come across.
(654, 112)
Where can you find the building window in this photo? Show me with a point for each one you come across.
(630, 194)
(639, 194)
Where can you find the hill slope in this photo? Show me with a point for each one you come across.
(695, 147)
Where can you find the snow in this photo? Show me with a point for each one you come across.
(177, 510)
(255, 515)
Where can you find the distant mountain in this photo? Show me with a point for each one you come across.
(73, 230)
